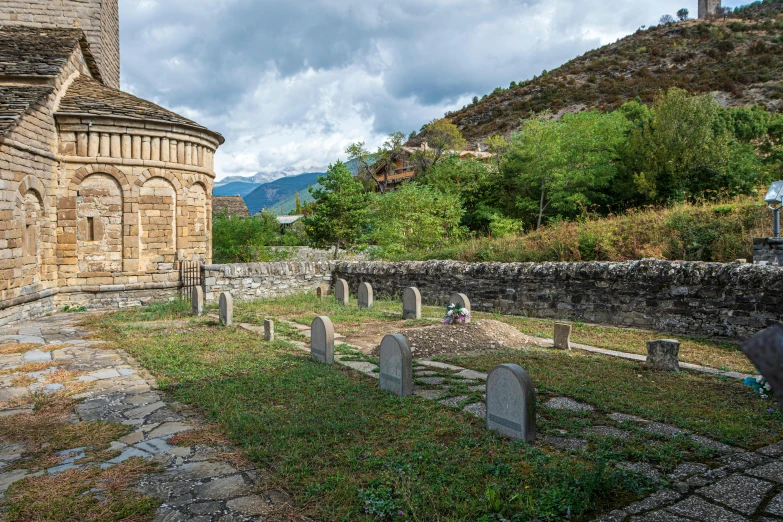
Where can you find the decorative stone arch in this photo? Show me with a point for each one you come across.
(30, 212)
(160, 173)
(158, 217)
(34, 185)
(101, 225)
(199, 222)
(99, 168)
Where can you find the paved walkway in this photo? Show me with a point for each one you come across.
(196, 483)
(741, 486)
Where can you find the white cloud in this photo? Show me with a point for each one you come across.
(291, 84)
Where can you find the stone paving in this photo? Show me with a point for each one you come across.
(740, 486)
(196, 483)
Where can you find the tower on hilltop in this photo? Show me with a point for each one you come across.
(99, 19)
(708, 8)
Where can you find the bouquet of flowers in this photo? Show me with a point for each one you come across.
(760, 386)
(456, 315)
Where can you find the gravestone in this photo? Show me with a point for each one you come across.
(226, 309)
(322, 290)
(396, 365)
(765, 351)
(269, 330)
(341, 291)
(663, 355)
(319, 293)
(197, 300)
(365, 295)
(322, 340)
(511, 403)
(461, 300)
(562, 336)
(411, 303)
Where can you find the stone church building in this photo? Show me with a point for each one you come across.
(102, 194)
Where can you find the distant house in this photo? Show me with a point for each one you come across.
(231, 205)
(287, 221)
(404, 170)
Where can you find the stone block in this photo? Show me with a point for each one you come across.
(269, 330)
(411, 303)
(197, 300)
(226, 309)
(511, 403)
(663, 355)
(322, 340)
(562, 336)
(341, 291)
(396, 365)
(365, 295)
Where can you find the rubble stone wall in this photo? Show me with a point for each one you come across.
(710, 299)
(768, 251)
(264, 280)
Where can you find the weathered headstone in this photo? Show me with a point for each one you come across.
(197, 300)
(765, 350)
(511, 403)
(322, 340)
(269, 330)
(663, 355)
(365, 295)
(226, 309)
(411, 303)
(319, 293)
(461, 300)
(341, 291)
(396, 365)
(562, 336)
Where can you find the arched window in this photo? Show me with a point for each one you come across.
(158, 225)
(99, 234)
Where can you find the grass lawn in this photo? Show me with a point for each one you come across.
(722, 355)
(720, 408)
(303, 308)
(346, 450)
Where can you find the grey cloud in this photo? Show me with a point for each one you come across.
(293, 80)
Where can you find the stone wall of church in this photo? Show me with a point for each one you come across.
(98, 18)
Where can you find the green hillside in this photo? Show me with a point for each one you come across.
(739, 60)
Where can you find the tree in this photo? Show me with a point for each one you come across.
(724, 12)
(442, 136)
(415, 217)
(666, 20)
(682, 14)
(498, 145)
(390, 153)
(339, 212)
(242, 240)
(363, 159)
(298, 204)
(475, 100)
(560, 168)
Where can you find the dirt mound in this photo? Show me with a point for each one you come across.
(476, 336)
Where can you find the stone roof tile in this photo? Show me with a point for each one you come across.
(231, 205)
(40, 53)
(87, 96)
(14, 102)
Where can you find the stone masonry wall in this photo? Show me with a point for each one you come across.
(768, 251)
(710, 299)
(99, 19)
(264, 280)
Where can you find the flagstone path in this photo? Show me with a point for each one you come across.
(196, 484)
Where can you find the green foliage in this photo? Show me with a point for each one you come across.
(562, 167)
(415, 217)
(339, 213)
(246, 240)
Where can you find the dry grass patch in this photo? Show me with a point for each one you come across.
(212, 436)
(61, 376)
(23, 381)
(48, 429)
(29, 368)
(14, 348)
(83, 495)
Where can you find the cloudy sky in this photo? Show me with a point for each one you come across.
(291, 83)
